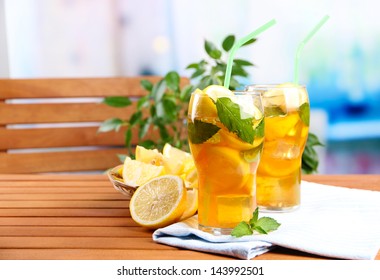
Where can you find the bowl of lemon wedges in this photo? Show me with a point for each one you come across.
(162, 187)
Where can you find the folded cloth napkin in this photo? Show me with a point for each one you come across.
(332, 221)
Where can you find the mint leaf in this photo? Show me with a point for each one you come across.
(262, 225)
(229, 115)
(260, 230)
(255, 217)
(228, 42)
(259, 130)
(200, 132)
(241, 229)
(304, 113)
(267, 224)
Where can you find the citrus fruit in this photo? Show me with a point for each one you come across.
(202, 106)
(175, 159)
(228, 168)
(149, 156)
(137, 173)
(191, 204)
(215, 92)
(160, 202)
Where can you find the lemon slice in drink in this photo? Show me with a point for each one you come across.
(215, 92)
(136, 173)
(160, 202)
(191, 204)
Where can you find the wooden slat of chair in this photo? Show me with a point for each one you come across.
(104, 146)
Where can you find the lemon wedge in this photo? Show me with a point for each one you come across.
(175, 160)
(191, 204)
(136, 173)
(160, 202)
(149, 156)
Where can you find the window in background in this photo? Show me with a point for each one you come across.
(68, 38)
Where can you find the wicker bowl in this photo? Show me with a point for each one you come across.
(117, 182)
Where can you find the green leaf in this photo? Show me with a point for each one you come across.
(200, 132)
(312, 140)
(304, 113)
(260, 230)
(172, 80)
(117, 101)
(255, 217)
(229, 115)
(260, 129)
(262, 225)
(147, 85)
(143, 102)
(111, 124)
(268, 224)
(212, 50)
(228, 42)
(250, 42)
(128, 137)
(197, 73)
(241, 229)
(186, 93)
(144, 128)
(158, 90)
(310, 159)
(242, 62)
(193, 66)
(237, 70)
(135, 118)
(148, 144)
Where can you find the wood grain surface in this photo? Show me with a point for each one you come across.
(83, 217)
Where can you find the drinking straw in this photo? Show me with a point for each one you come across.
(238, 44)
(302, 45)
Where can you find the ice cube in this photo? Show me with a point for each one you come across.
(285, 150)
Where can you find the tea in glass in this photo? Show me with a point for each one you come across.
(287, 111)
(226, 133)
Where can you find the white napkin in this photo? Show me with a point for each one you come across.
(332, 221)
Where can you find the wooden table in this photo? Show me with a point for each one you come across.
(83, 217)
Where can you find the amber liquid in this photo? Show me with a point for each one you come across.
(226, 168)
(279, 172)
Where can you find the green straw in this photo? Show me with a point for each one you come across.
(238, 44)
(302, 45)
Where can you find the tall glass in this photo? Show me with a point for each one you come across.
(287, 112)
(226, 137)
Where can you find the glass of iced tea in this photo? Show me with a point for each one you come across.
(226, 133)
(287, 113)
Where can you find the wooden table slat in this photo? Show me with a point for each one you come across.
(74, 216)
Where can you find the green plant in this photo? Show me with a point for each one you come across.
(164, 108)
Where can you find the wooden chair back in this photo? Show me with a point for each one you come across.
(50, 125)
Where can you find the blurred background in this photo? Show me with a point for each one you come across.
(99, 38)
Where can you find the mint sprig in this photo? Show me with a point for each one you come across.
(261, 225)
(229, 115)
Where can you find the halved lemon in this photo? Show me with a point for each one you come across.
(160, 202)
(149, 156)
(191, 204)
(137, 173)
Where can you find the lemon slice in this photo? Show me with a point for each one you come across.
(136, 173)
(149, 156)
(160, 202)
(191, 204)
(215, 92)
